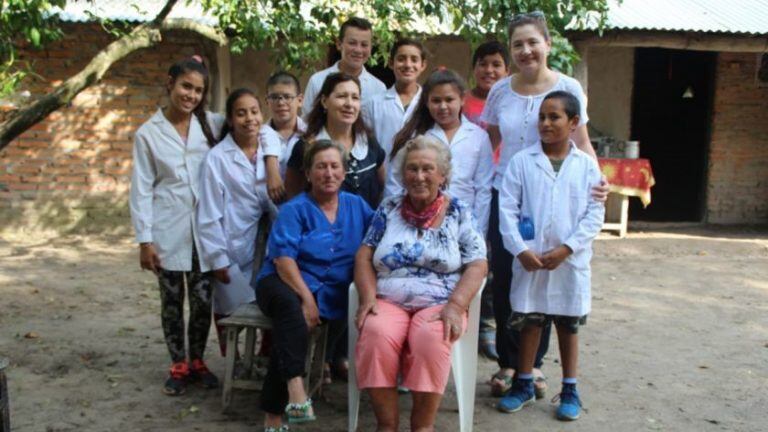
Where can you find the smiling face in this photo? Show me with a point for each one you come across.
(488, 70)
(246, 118)
(186, 92)
(529, 48)
(355, 47)
(284, 102)
(407, 64)
(343, 104)
(444, 104)
(326, 173)
(554, 125)
(422, 176)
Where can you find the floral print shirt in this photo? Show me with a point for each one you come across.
(419, 268)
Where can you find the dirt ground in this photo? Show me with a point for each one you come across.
(677, 341)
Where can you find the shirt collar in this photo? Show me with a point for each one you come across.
(359, 149)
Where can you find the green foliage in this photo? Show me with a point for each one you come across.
(23, 22)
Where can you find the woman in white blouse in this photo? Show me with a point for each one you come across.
(511, 113)
(168, 150)
(232, 200)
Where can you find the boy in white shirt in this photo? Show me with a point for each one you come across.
(548, 220)
(354, 43)
(283, 130)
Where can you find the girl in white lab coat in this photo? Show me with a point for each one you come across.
(548, 219)
(438, 116)
(386, 113)
(167, 153)
(232, 201)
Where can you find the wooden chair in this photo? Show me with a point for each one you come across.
(250, 318)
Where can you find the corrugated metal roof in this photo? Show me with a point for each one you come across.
(126, 10)
(711, 16)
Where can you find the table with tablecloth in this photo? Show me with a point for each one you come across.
(627, 177)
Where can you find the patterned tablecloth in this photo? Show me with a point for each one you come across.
(632, 177)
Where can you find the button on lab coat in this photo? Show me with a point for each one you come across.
(564, 213)
(231, 204)
(164, 187)
(471, 169)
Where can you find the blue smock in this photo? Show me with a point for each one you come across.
(324, 251)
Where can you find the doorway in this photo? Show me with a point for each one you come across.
(672, 117)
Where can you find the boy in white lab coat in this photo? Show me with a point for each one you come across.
(548, 221)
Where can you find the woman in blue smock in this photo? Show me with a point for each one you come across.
(306, 275)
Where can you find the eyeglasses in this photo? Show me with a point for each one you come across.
(277, 98)
(537, 15)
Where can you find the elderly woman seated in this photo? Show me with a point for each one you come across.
(306, 276)
(421, 262)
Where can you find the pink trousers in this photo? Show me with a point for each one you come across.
(396, 340)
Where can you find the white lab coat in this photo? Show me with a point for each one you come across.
(273, 144)
(564, 213)
(164, 187)
(471, 169)
(385, 115)
(370, 86)
(231, 204)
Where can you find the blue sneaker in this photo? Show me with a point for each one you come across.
(570, 404)
(520, 395)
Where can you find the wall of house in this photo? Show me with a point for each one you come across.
(610, 75)
(737, 186)
(72, 170)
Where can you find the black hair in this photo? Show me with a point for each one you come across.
(230, 105)
(407, 42)
(318, 116)
(421, 121)
(490, 48)
(195, 64)
(571, 104)
(535, 18)
(356, 22)
(283, 77)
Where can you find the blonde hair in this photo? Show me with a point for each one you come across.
(423, 142)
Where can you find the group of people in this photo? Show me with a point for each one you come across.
(411, 192)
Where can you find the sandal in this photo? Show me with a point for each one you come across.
(282, 428)
(500, 383)
(539, 383)
(300, 412)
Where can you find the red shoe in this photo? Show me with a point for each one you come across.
(176, 384)
(201, 373)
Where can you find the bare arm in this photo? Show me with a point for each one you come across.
(275, 186)
(288, 270)
(495, 135)
(365, 281)
(458, 304)
(581, 137)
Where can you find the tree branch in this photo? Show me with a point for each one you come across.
(142, 36)
(206, 31)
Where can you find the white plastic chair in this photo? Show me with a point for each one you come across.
(463, 363)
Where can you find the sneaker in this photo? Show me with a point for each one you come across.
(570, 404)
(201, 373)
(176, 384)
(520, 395)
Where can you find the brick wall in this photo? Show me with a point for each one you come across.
(737, 188)
(73, 169)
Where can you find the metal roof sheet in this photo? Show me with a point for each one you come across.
(126, 10)
(712, 16)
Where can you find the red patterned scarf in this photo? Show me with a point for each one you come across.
(425, 218)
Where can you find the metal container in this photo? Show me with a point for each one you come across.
(632, 149)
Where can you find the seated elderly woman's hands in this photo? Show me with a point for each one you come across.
(310, 311)
(452, 317)
(366, 307)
